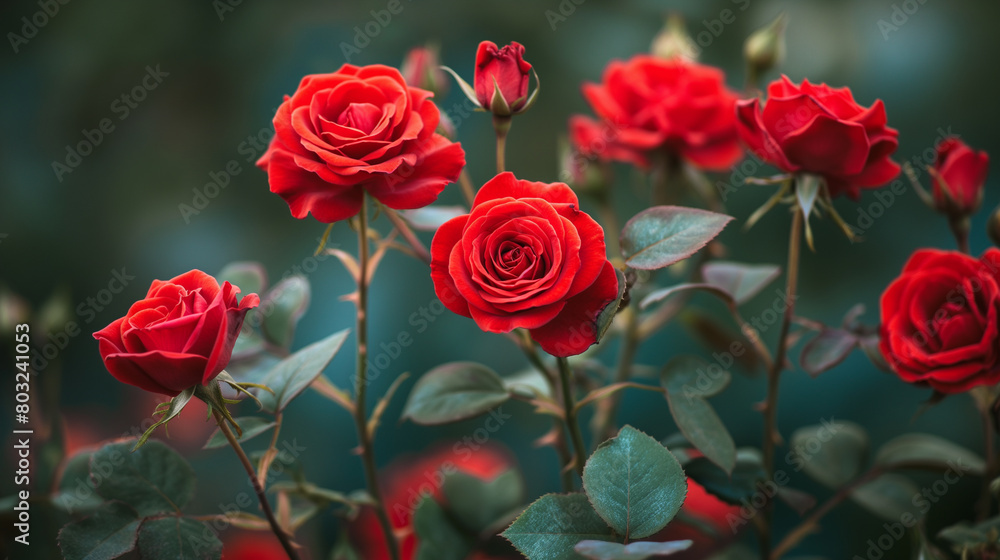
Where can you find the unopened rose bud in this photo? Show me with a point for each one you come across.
(673, 40)
(993, 227)
(501, 78)
(421, 68)
(765, 48)
(957, 178)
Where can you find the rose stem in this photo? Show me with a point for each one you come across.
(264, 505)
(572, 423)
(468, 191)
(408, 235)
(527, 346)
(501, 125)
(604, 418)
(361, 384)
(774, 374)
(985, 503)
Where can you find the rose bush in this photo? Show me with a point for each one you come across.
(180, 335)
(526, 257)
(813, 128)
(941, 320)
(358, 130)
(648, 104)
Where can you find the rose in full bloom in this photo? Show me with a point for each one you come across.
(649, 104)
(816, 129)
(941, 320)
(358, 130)
(506, 68)
(960, 172)
(406, 481)
(180, 335)
(526, 257)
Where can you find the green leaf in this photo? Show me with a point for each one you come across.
(293, 374)
(663, 293)
(926, 448)
(600, 550)
(662, 235)
(109, 532)
(807, 188)
(826, 350)
(249, 276)
(454, 391)
(551, 526)
(438, 538)
(832, 453)
(175, 407)
(74, 493)
(889, 496)
(741, 281)
(282, 308)
(430, 218)
(688, 381)
(154, 479)
(742, 484)
(477, 503)
(528, 382)
(634, 483)
(607, 315)
(252, 426)
(178, 538)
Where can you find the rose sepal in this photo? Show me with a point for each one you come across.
(211, 394)
(169, 410)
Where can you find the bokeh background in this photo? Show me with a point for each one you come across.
(225, 74)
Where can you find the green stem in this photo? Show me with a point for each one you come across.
(502, 126)
(985, 504)
(572, 422)
(361, 385)
(527, 346)
(604, 419)
(465, 182)
(774, 374)
(265, 506)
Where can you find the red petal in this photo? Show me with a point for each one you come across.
(574, 330)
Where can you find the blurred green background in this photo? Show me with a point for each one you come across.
(224, 76)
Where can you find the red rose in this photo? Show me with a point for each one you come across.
(253, 546)
(404, 484)
(506, 68)
(821, 130)
(421, 68)
(941, 320)
(649, 104)
(179, 336)
(526, 257)
(708, 512)
(353, 131)
(963, 171)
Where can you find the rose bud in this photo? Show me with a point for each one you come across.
(501, 78)
(820, 130)
(765, 48)
(179, 336)
(674, 40)
(941, 320)
(957, 178)
(993, 227)
(421, 68)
